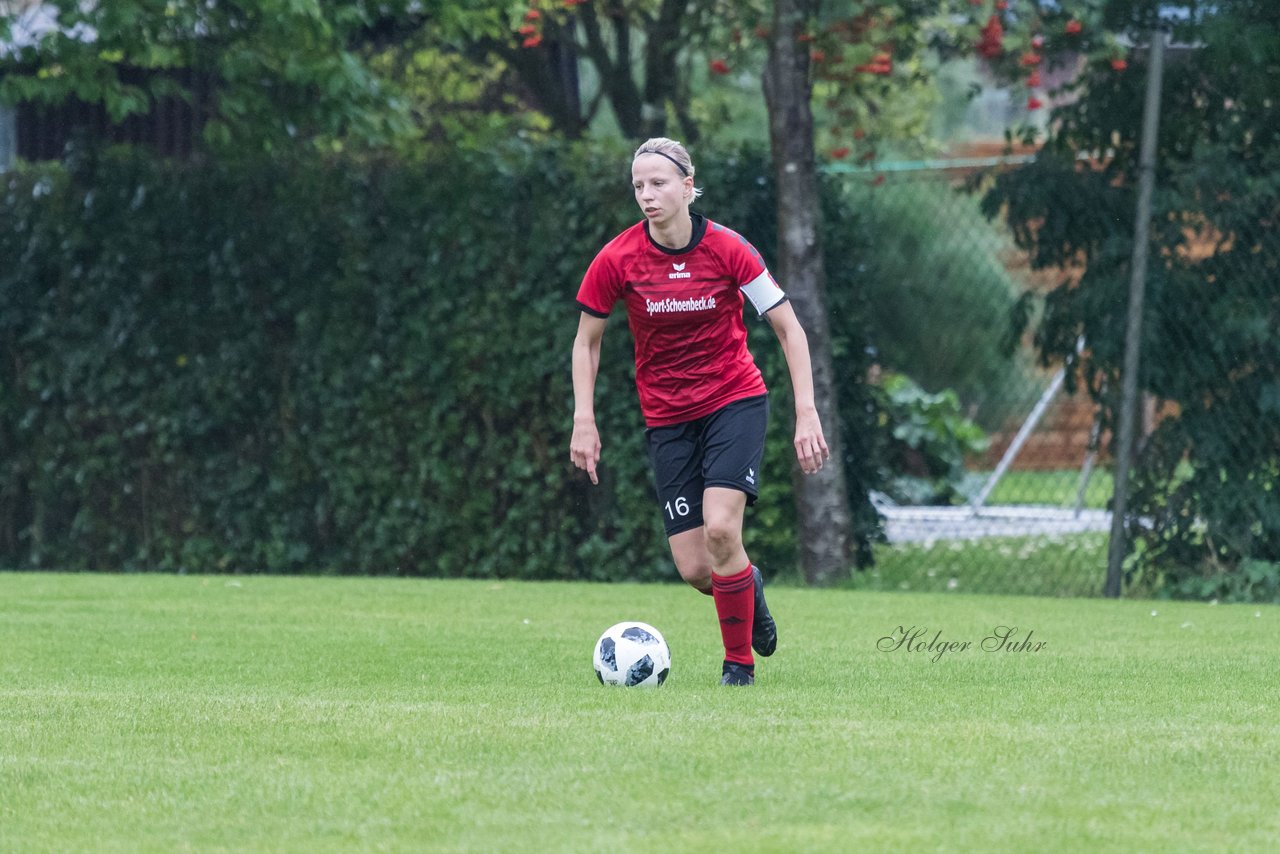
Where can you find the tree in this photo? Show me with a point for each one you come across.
(285, 71)
(822, 502)
(638, 55)
(1207, 480)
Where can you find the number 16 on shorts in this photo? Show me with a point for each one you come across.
(677, 508)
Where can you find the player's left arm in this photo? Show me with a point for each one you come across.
(811, 445)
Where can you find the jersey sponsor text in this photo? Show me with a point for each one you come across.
(670, 305)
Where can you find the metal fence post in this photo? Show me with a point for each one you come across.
(1118, 546)
(8, 137)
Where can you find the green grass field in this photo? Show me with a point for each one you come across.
(1048, 488)
(163, 713)
(1042, 565)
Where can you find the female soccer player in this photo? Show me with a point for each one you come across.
(683, 279)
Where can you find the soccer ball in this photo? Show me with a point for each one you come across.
(632, 654)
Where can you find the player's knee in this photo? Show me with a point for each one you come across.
(697, 574)
(724, 537)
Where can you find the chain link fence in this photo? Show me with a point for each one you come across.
(1003, 482)
(999, 479)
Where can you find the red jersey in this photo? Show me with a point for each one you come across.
(684, 307)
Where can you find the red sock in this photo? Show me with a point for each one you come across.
(735, 597)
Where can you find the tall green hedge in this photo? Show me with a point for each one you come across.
(348, 366)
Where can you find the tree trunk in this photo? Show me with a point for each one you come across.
(614, 67)
(822, 502)
(549, 73)
(663, 42)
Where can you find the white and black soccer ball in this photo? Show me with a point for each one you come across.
(632, 655)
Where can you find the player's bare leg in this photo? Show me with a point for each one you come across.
(730, 574)
(693, 561)
(716, 547)
(722, 512)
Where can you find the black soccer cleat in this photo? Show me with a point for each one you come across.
(764, 631)
(738, 674)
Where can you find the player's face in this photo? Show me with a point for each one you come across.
(661, 191)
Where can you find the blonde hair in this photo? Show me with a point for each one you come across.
(673, 151)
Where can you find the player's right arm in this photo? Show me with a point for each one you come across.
(584, 447)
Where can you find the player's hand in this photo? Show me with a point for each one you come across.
(584, 447)
(811, 446)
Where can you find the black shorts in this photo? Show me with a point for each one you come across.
(721, 449)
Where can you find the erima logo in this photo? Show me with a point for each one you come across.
(751, 476)
(679, 272)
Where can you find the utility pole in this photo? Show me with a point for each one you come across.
(1119, 545)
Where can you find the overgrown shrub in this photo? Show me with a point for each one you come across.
(348, 367)
(929, 440)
